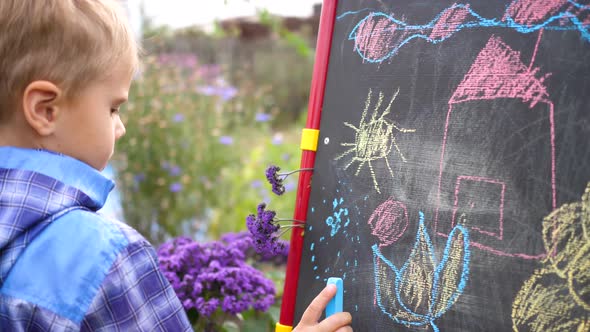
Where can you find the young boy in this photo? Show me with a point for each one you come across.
(65, 69)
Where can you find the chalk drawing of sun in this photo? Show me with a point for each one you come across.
(374, 138)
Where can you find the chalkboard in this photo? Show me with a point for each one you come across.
(452, 162)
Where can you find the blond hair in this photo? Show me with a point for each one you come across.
(68, 42)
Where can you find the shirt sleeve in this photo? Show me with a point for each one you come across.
(135, 296)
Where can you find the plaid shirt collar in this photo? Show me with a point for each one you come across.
(36, 186)
(67, 170)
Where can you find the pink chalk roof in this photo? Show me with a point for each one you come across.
(498, 72)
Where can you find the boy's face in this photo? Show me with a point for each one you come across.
(90, 124)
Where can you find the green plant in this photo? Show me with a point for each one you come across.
(179, 139)
(196, 149)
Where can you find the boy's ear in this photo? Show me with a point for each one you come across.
(40, 106)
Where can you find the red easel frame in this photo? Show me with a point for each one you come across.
(316, 100)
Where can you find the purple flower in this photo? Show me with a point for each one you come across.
(226, 140)
(139, 177)
(264, 229)
(262, 117)
(181, 60)
(178, 117)
(275, 179)
(213, 276)
(175, 187)
(228, 92)
(137, 180)
(290, 186)
(278, 257)
(277, 139)
(209, 72)
(206, 308)
(244, 242)
(175, 170)
(207, 90)
(224, 92)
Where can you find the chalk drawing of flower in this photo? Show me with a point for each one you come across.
(421, 290)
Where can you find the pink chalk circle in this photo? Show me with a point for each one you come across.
(389, 221)
(376, 36)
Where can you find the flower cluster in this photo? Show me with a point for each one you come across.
(213, 276)
(246, 243)
(264, 228)
(275, 179)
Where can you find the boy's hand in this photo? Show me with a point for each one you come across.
(338, 322)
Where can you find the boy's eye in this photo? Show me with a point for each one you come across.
(114, 110)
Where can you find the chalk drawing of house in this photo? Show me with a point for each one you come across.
(497, 165)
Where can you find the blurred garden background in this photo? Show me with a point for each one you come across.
(209, 111)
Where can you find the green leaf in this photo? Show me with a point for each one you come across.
(275, 312)
(230, 327)
(257, 321)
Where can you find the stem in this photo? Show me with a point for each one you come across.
(293, 220)
(295, 171)
(292, 226)
(288, 228)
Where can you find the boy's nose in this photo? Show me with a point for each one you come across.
(119, 129)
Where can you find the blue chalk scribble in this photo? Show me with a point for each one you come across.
(562, 21)
(340, 214)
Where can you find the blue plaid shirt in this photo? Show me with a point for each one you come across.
(63, 267)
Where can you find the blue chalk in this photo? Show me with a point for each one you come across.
(335, 305)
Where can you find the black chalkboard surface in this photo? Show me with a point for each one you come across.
(454, 154)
